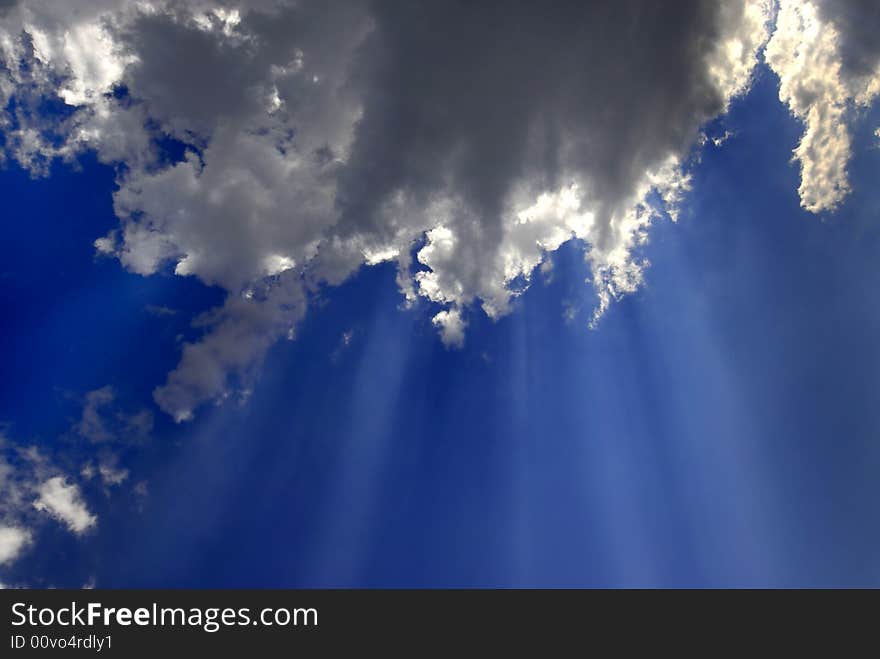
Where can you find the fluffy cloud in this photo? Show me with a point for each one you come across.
(63, 501)
(827, 57)
(451, 326)
(38, 485)
(475, 137)
(31, 487)
(15, 534)
(327, 136)
(12, 540)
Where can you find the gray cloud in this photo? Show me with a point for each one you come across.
(239, 334)
(103, 421)
(476, 96)
(329, 136)
(858, 22)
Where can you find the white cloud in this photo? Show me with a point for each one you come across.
(719, 141)
(12, 540)
(451, 326)
(108, 471)
(94, 63)
(34, 489)
(807, 53)
(112, 474)
(25, 476)
(63, 501)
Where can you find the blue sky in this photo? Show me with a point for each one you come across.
(718, 427)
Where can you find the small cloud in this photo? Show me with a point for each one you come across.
(344, 343)
(721, 139)
(106, 245)
(111, 474)
(33, 490)
(91, 424)
(108, 471)
(570, 311)
(63, 501)
(141, 492)
(137, 427)
(140, 489)
(451, 326)
(87, 471)
(547, 269)
(13, 540)
(160, 310)
(102, 422)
